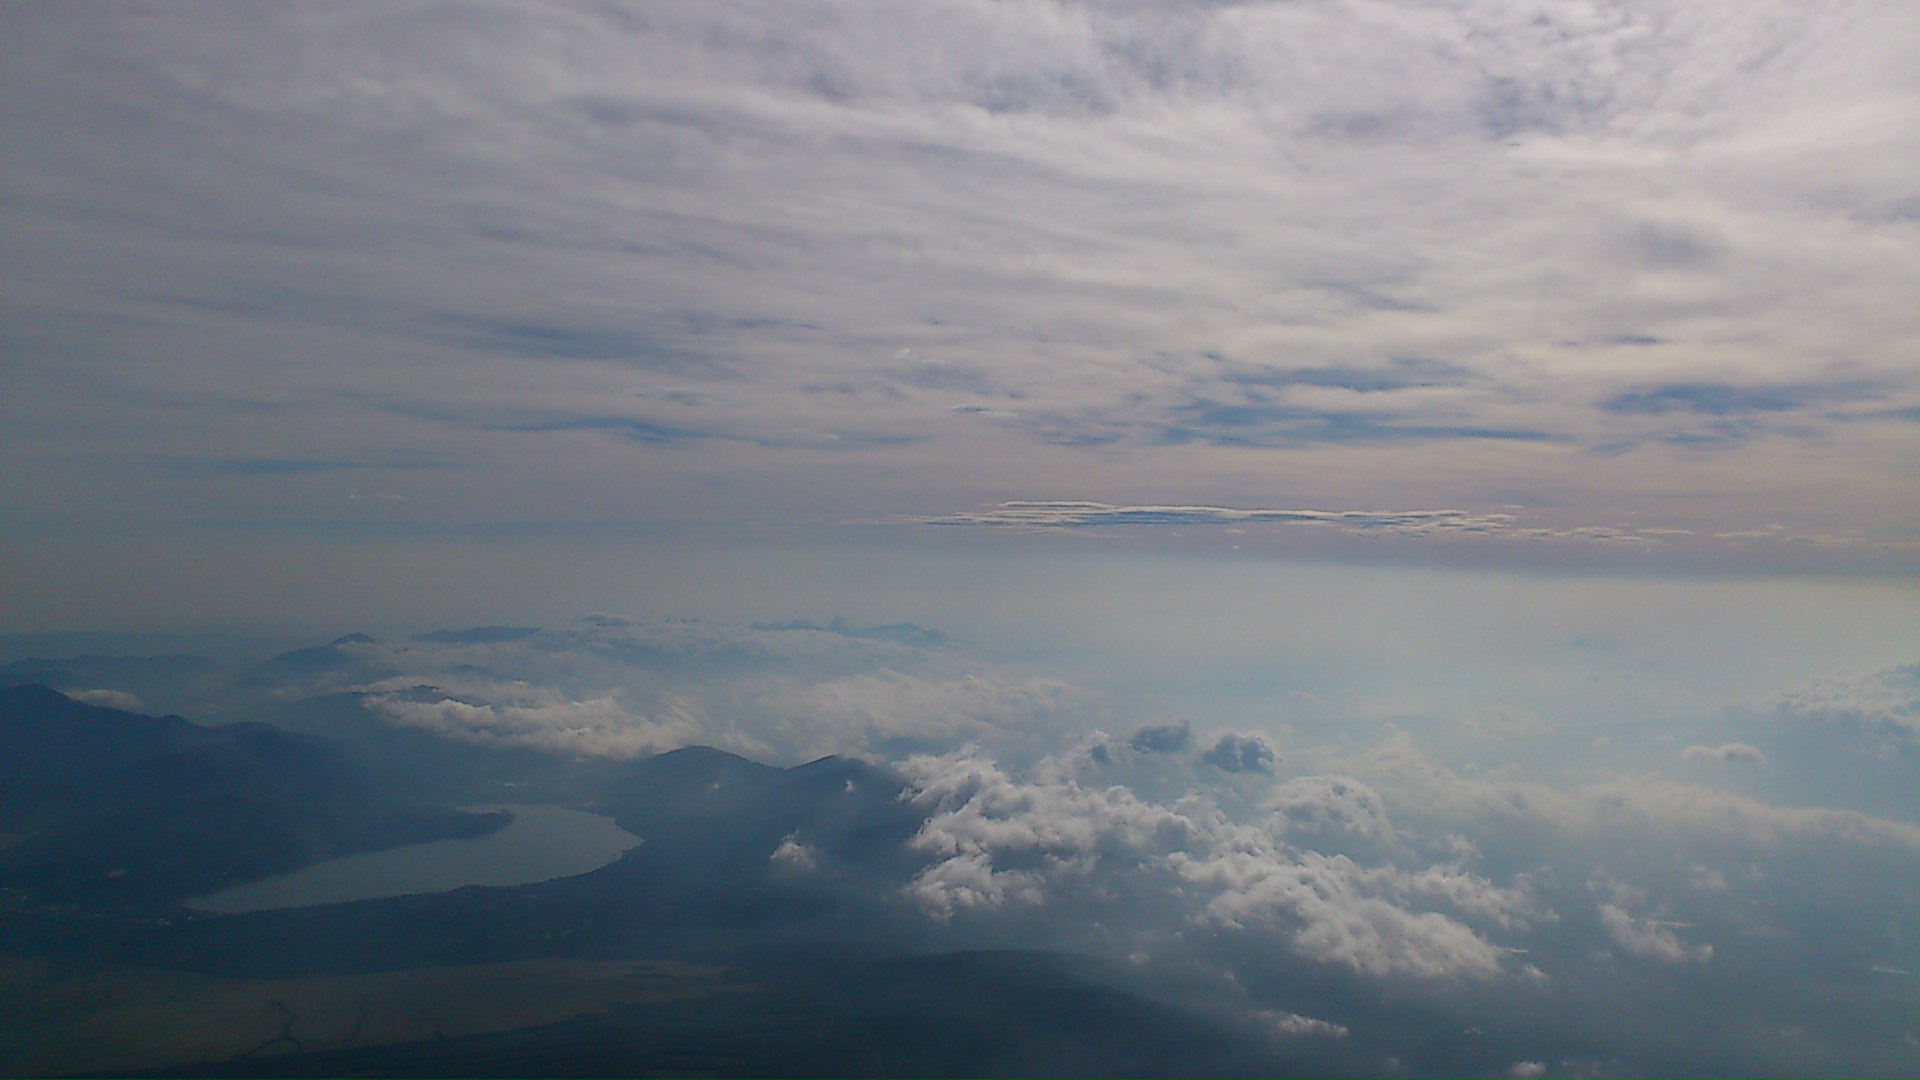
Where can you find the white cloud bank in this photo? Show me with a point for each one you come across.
(618, 687)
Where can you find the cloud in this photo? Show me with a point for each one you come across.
(794, 854)
(1241, 754)
(964, 881)
(1162, 738)
(1646, 804)
(1151, 249)
(600, 726)
(1024, 514)
(996, 840)
(1027, 515)
(1401, 374)
(1320, 900)
(1886, 701)
(979, 808)
(1648, 939)
(1331, 806)
(1261, 423)
(1293, 1026)
(1719, 400)
(1470, 895)
(869, 710)
(1726, 752)
(622, 687)
(110, 699)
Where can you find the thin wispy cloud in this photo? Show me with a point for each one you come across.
(1046, 515)
(1068, 514)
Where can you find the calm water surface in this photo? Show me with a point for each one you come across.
(541, 843)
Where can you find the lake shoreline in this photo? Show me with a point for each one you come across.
(538, 843)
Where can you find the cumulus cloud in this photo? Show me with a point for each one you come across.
(1320, 900)
(979, 808)
(793, 854)
(1241, 754)
(110, 699)
(1293, 1025)
(1648, 939)
(969, 880)
(1324, 805)
(996, 839)
(1471, 896)
(1162, 738)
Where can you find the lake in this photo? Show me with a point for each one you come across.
(541, 843)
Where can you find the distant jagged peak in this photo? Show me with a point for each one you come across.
(355, 638)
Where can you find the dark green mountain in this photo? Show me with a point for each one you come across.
(119, 808)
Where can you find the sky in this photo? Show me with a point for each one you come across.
(310, 307)
(1426, 489)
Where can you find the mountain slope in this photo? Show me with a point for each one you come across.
(122, 808)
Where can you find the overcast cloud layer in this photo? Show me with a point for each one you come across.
(1612, 270)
